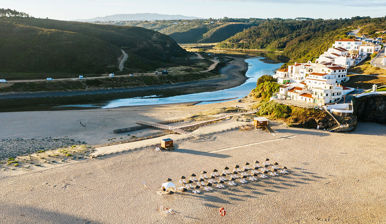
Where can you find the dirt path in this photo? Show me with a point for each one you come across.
(123, 60)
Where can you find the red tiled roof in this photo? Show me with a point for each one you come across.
(306, 95)
(346, 40)
(295, 88)
(341, 49)
(319, 74)
(335, 54)
(283, 70)
(336, 68)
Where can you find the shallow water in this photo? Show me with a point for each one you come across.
(256, 68)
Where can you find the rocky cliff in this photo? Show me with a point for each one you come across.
(371, 108)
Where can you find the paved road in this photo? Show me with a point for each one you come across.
(229, 72)
(121, 66)
(377, 61)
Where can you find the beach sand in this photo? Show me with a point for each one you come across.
(335, 177)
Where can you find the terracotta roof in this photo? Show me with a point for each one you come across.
(340, 49)
(306, 95)
(295, 88)
(319, 74)
(303, 83)
(346, 40)
(345, 88)
(336, 68)
(335, 54)
(283, 70)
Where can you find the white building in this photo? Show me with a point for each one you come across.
(369, 48)
(348, 44)
(341, 57)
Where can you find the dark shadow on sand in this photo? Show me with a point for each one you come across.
(302, 132)
(200, 153)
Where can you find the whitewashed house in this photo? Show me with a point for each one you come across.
(348, 44)
(369, 48)
(282, 76)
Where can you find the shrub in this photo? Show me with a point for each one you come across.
(266, 87)
(274, 110)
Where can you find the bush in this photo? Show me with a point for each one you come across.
(274, 110)
(266, 87)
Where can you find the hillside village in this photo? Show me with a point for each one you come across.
(320, 83)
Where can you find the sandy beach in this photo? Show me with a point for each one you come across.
(335, 177)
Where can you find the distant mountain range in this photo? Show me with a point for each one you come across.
(139, 17)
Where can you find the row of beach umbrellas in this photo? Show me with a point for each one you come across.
(227, 177)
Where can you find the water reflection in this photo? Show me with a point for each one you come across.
(256, 68)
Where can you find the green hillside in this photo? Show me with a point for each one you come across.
(223, 32)
(30, 45)
(298, 40)
(196, 31)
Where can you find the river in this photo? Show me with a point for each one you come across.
(257, 67)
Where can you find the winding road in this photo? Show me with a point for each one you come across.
(122, 60)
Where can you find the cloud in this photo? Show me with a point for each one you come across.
(352, 3)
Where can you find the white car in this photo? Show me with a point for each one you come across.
(49, 79)
(3, 80)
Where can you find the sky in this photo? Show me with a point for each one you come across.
(85, 9)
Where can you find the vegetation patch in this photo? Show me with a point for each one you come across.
(265, 88)
(42, 158)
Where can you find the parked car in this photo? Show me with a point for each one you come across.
(49, 79)
(3, 80)
(81, 77)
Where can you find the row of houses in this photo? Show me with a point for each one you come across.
(320, 83)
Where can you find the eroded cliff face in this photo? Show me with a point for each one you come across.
(371, 108)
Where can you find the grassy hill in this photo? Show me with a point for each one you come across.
(30, 45)
(196, 31)
(298, 40)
